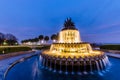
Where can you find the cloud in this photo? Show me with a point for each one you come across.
(108, 26)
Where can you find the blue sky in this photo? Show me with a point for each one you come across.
(97, 20)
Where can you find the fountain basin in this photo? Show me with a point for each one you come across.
(28, 70)
(70, 54)
(74, 63)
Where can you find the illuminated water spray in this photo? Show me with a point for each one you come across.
(70, 54)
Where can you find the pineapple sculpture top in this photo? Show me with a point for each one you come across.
(70, 51)
(68, 24)
(69, 33)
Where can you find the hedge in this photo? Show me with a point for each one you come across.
(13, 49)
(110, 47)
(42, 47)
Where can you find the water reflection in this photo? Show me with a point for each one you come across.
(31, 70)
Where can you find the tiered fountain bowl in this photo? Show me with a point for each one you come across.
(70, 54)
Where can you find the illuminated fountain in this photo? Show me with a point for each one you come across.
(70, 54)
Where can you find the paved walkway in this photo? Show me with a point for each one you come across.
(113, 55)
(5, 56)
(5, 63)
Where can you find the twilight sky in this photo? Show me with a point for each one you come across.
(97, 20)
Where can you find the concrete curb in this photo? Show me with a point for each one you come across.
(5, 56)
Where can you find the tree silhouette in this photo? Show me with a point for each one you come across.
(1, 41)
(11, 42)
(10, 39)
(46, 38)
(54, 37)
(41, 37)
(36, 39)
(2, 38)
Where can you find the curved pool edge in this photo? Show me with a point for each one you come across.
(19, 61)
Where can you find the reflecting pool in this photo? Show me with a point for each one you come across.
(30, 70)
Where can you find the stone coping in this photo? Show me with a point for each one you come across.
(8, 55)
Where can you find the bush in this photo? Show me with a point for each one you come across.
(13, 49)
(110, 47)
(43, 47)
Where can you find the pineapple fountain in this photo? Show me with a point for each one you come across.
(70, 55)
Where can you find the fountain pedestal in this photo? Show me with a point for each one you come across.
(70, 54)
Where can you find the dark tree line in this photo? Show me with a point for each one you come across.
(41, 38)
(8, 39)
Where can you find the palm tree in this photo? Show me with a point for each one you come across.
(46, 38)
(36, 39)
(25, 41)
(54, 37)
(41, 37)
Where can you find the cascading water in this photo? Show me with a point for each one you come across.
(70, 54)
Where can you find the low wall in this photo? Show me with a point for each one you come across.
(4, 56)
(111, 51)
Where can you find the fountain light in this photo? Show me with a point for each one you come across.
(70, 54)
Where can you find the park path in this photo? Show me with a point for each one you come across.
(113, 55)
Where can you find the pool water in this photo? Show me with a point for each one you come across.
(30, 70)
